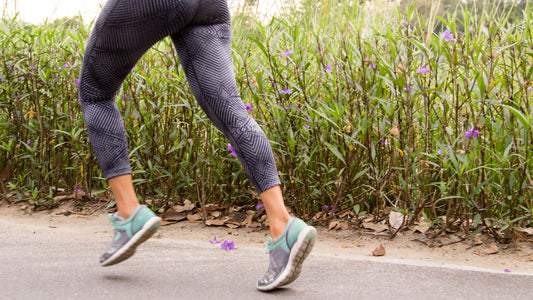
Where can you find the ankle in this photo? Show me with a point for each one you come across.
(278, 227)
(125, 213)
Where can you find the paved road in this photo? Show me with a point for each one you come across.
(56, 263)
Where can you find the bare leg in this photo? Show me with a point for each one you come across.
(122, 188)
(277, 213)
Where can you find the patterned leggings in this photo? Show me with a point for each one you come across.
(201, 33)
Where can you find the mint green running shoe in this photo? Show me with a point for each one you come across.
(287, 255)
(129, 234)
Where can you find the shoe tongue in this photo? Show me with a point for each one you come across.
(115, 217)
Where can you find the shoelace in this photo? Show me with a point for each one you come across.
(265, 244)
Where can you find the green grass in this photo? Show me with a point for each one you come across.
(361, 130)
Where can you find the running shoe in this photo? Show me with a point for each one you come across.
(129, 234)
(287, 255)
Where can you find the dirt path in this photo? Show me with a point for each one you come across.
(405, 247)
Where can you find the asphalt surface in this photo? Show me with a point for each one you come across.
(57, 263)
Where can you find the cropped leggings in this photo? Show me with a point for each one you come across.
(201, 33)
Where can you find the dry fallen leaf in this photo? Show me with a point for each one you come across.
(215, 214)
(343, 226)
(530, 258)
(527, 230)
(344, 214)
(346, 246)
(477, 240)
(215, 222)
(165, 223)
(232, 224)
(254, 225)
(357, 245)
(519, 236)
(422, 228)
(187, 206)
(395, 219)
(333, 224)
(337, 225)
(492, 249)
(212, 207)
(172, 215)
(319, 215)
(376, 227)
(379, 251)
(249, 218)
(194, 218)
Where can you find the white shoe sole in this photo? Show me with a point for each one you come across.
(299, 252)
(148, 229)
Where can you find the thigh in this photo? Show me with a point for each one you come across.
(123, 32)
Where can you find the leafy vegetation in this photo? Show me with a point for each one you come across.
(367, 111)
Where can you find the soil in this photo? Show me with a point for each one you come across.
(406, 247)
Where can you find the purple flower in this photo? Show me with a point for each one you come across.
(370, 62)
(11, 68)
(214, 240)
(78, 188)
(285, 91)
(404, 22)
(230, 148)
(59, 69)
(384, 142)
(308, 127)
(77, 82)
(448, 36)
(507, 271)
(227, 245)
(408, 89)
(289, 52)
(124, 97)
(22, 78)
(472, 133)
(529, 90)
(248, 107)
(329, 208)
(423, 70)
(65, 66)
(259, 205)
(293, 108)
(29, 143)
(439, 151)
(329, 68)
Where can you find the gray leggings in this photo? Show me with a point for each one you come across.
(201, 33)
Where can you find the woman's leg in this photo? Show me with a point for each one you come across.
(204, 49)
(124, 31)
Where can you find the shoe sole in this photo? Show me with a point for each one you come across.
(148, 229)
(299, 252)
